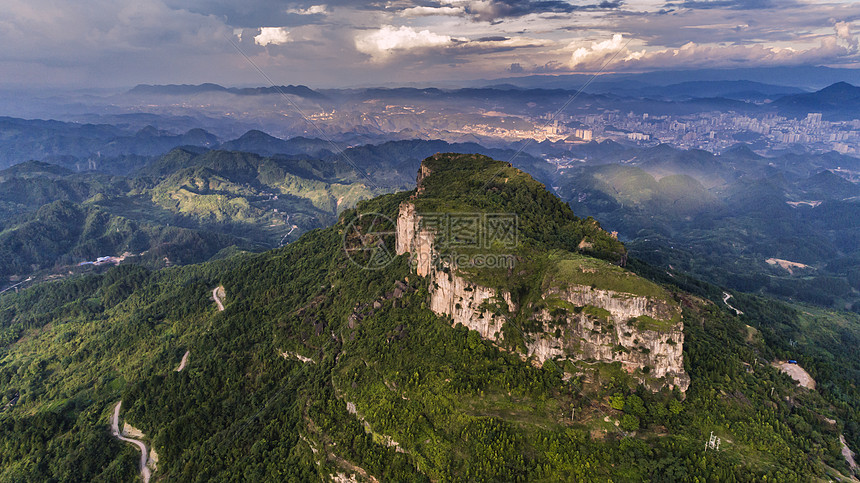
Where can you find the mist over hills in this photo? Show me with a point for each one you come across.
(725, 218)
(496, 117)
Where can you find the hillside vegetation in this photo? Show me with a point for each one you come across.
(384, 388)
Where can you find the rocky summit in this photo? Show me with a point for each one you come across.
(585, 309)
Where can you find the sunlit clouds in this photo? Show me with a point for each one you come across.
(272, 35)
(118, 42)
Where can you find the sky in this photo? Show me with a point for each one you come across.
(121, 43)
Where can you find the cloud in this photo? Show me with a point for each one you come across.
(598, 54)
(272, 35)
(422, 11)
(312, 10)
(381, 43)
(728, 4)
(494, 10)
(124, 42)
(844, 35)
(615, 53)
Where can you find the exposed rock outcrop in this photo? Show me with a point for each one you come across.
(616, 332)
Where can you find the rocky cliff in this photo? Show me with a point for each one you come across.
(574, 321)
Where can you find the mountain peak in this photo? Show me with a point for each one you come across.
(176, 89)
(742, 150)
(487, 235)
(840, 87)
(257, 135)
(479, 184)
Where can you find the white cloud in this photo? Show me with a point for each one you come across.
(843, 33)
(272, 35)
(480, 9)
(381, 43)
(422, 11)
(312, 10)
(599, 52)
(617, 56)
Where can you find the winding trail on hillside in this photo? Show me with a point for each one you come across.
(217, 293)
(726, 297)
(145, 473)
(183, 362)
(17, 284)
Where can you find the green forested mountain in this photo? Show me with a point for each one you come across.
(319, 368)
(191, 203)
(184, 207)
(784, 226)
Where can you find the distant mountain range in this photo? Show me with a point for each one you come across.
(804, 77)
(188, 89)
(737, 90)
(840, 101)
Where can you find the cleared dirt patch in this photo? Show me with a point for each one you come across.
(797, 373)
(787, 264)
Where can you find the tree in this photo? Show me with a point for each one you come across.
(629, 422)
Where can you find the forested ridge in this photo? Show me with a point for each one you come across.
(392, 390)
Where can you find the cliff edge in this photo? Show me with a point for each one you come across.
(531, 295)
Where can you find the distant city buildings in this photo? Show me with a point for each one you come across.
(716, 131)
(584, 134)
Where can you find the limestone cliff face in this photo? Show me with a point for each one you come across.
(423, 172)
(613, 337)
(611, 333)
(450, 294)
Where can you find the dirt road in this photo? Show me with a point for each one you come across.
(114, 425)
(217, 295)
(183, 362)
(726, 297)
